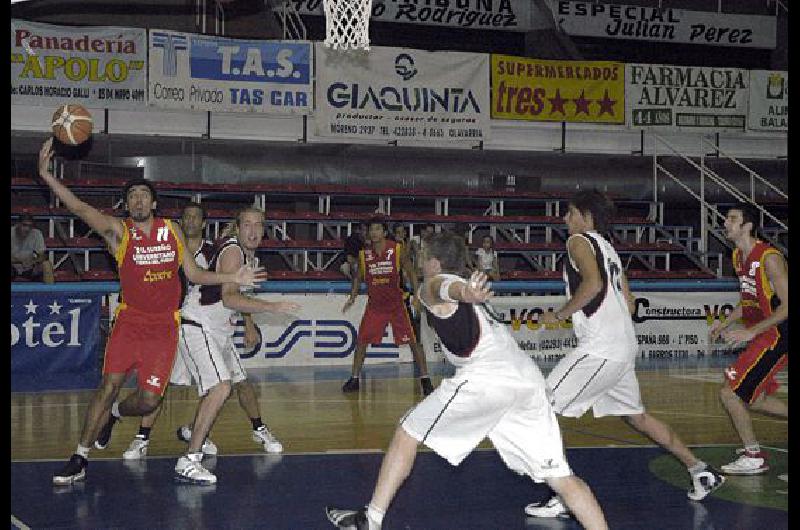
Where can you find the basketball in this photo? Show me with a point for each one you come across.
(72, 124)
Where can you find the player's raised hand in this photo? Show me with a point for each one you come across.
(250, 277)
(45, 157)
(477, 289)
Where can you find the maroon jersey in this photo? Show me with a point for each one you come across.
(758, 297)
(381, 271)
(148, 267)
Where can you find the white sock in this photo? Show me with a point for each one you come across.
(697, 468)
(115, 410)
(375, 516)
(83, 451)
(754, 448)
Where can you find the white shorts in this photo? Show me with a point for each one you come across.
(462, 411)
(582, 380)
(209, 356)
(180, 373)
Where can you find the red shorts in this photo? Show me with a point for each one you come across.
(373, 324)
(755, 368)
(144, 342)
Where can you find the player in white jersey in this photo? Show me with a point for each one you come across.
(497, 392)
(599, 373)
(206, 362)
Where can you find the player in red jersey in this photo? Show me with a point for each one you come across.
(381, 267)
(149, 251)
(764, 308)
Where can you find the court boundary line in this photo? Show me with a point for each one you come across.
(19, 524)
(334, 452)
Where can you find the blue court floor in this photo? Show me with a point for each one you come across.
(290, 492)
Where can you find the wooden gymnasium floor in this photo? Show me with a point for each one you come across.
(332, 453)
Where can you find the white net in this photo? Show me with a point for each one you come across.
(347, 24)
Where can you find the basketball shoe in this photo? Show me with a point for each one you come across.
(552, 507)
(73, 471)
(189, 469)
(748, 463)
(351, 385)
(263, 437)
(704, 483)
(350, 519)
(184, 434)
(137, 449)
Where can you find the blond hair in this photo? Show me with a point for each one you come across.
(232, 228)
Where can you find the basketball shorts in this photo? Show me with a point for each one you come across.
(463, 410)
(581, 381)
(145, 342)
(754, 371)
(374, 322)
(180, 372)
(209, 355)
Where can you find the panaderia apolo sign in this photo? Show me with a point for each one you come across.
(685, 97)
(621, 21)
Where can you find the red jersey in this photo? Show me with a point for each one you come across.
(148, 267)
(381, 271)
(758, 295)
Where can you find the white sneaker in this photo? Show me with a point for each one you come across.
(137, 449)
(185, 435)
(189, 469)
(263, 437)
(552, 507)
(747, 464)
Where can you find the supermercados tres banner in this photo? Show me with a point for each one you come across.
(667, 325)
(318, 334)
(675, 26)
(202, 72)
(502, 15)
(101, 67)
(402, 94)
(571, 91)
(55, 339)
(686, 97)
(769, 101)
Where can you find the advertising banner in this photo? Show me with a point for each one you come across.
(402, 94)
(204, 72)
(100, 67)
(500, 15)
(675, 26)
(686, 97)
(570, 91)
(318, 334)
(668, 325)
(54, 341)
(769, 101)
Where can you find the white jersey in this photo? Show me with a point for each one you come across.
(472, 338)
(204, 304)
(604, 324)
(202, 257)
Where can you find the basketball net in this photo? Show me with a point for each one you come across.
(347, 24)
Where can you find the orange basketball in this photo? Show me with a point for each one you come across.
(72, 124)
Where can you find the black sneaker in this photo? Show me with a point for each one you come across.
(73, 471)
(181, 437)
(351, 385)
(348, 519)
(427, 386)
(105, 433)
(705, 483)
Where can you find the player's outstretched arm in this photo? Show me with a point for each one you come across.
(441, 290)
(243, 275)
(230, 261)
(109, 227)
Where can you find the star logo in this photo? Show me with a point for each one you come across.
(55, 309)
(582, 104)
(557, 103)
(30, 308)
(606, 105)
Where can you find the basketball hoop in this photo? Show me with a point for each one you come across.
(347, 24)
